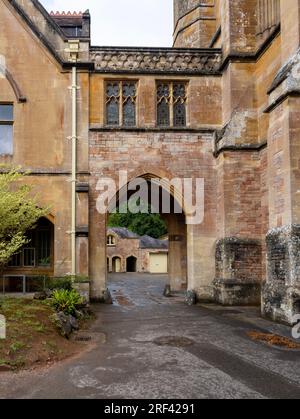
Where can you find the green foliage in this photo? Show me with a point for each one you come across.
(66, 301)
(18, 213)
(64, 283)
(142, 223)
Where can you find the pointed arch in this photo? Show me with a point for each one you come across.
(15, 86)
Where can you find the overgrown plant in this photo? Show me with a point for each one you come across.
(19, 213)
(66, 301)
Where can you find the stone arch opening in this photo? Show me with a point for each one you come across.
(131, 264)
(116, 264)
(175, 220)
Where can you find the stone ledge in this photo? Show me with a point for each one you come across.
(156, 60)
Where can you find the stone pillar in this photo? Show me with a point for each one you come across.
(82, 230)
(238, 251)
(177, 252)
(97, 248)
(201, 261)
(281, 292)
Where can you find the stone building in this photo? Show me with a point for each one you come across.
(128, 252)
(222, 105)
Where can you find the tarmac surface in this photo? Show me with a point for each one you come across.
(151, 347)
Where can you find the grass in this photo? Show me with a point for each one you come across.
(32, 339)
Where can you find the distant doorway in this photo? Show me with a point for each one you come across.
(116, 265)
(131, 264)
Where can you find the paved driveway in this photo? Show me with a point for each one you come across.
(152, 347)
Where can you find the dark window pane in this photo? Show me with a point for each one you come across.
(113, 90)
(44, 248)
(29, 257)
(112, 111)
(6, 139)
(129, 114)
(179, 115)
(129, 90)
(6, 113)
(13, 284)
(112, 103)
(35, 284)
(179, 90)
(15, 261)
(179, 100)
(163, 113)
(163, 90)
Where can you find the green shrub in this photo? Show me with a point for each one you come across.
(66, 300)
(64, 283)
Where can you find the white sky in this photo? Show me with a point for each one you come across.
(124, 22)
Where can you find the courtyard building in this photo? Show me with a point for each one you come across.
(221, 105)
(128, 252)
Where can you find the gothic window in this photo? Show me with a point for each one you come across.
(6, 129)
(121, 103)
(112, 103)
(171, 104)
(38, 253)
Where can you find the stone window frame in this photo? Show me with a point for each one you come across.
(171, 83)
(9, 122)
(113, 242)
(121, 82)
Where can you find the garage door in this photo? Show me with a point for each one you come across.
(158, 263)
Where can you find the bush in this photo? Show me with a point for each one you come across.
(66, 301)
(64, 283)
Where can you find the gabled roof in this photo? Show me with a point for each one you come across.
(148, 242)
(123, 233)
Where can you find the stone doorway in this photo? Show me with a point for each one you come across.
(131, 264)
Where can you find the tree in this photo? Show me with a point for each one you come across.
(141, 223)
(18, 214)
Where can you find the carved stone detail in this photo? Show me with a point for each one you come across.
(156, 60)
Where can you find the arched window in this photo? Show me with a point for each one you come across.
(111, 240)
(38, 252)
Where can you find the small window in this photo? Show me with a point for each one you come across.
(6, 129)
(111, 240)
(171, 104)
(121, 103)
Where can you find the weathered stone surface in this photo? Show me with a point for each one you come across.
(191, 298)
(167, 291)
(130, 60)
(238, 271)
(281, 292)
(65, 323)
